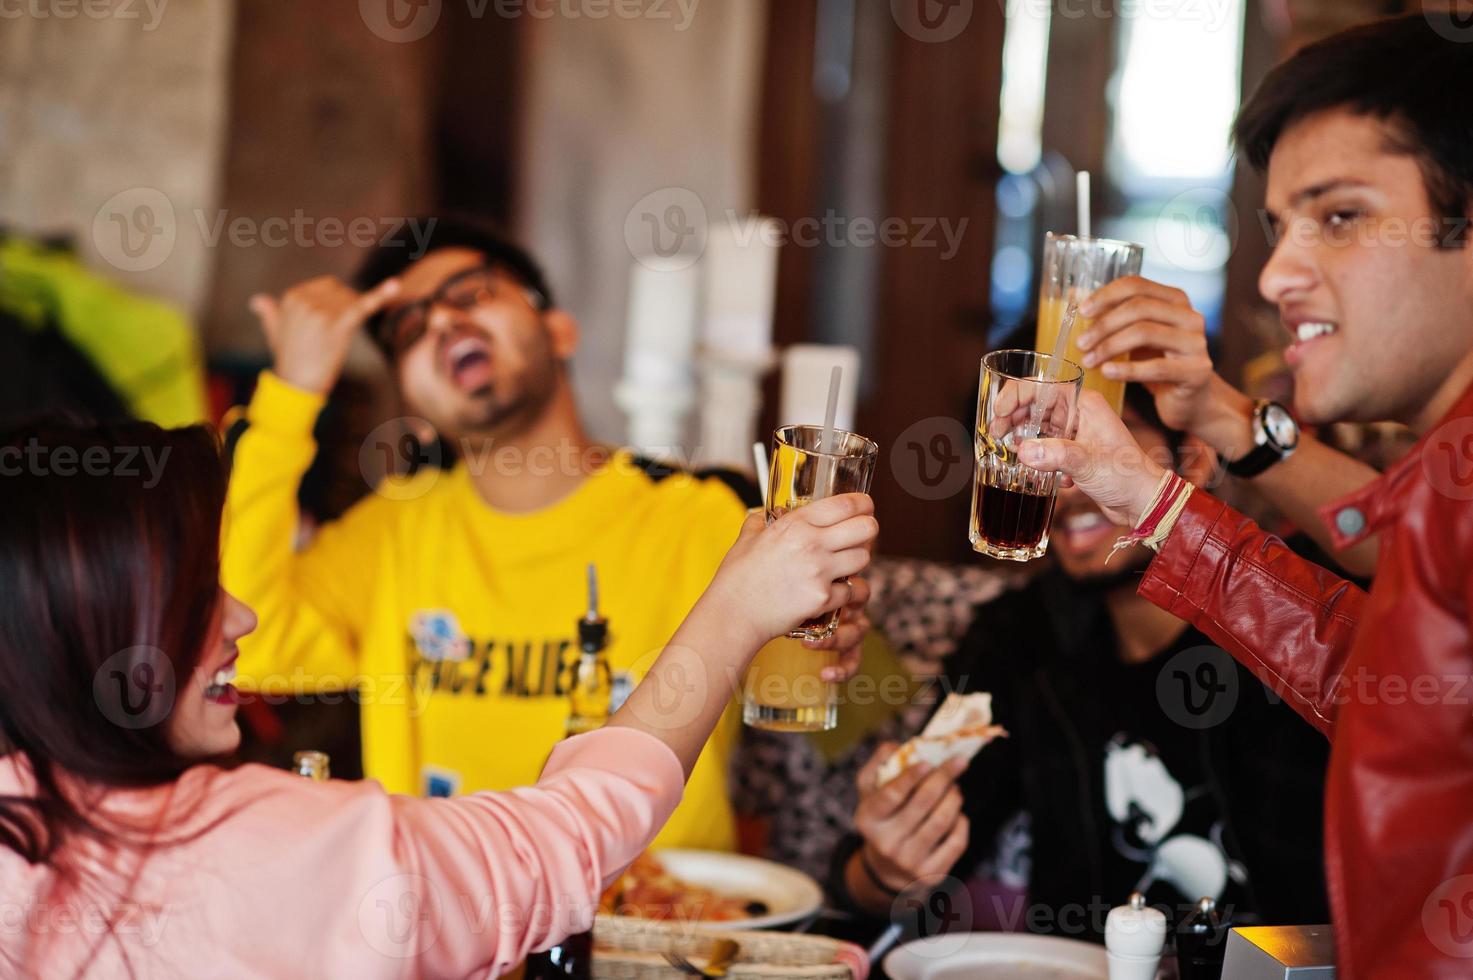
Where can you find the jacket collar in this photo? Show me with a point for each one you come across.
(1443, 458)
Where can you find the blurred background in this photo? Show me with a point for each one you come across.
(164, 160)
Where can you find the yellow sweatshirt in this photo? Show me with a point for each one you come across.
(451, 620)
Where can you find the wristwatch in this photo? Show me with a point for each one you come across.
(1275, 437)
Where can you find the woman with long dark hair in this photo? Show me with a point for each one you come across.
(127, 847)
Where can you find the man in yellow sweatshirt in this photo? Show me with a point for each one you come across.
(447, 600)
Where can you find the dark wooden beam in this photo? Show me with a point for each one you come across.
(942, 166)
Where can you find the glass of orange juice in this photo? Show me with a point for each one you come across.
(1073, 268)
(784, 690)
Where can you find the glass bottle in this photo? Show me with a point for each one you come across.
(590, 687)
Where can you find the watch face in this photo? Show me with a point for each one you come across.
(1282, 430)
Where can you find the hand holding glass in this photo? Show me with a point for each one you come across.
(1072, 269)
(1022, 395)
(783, 690)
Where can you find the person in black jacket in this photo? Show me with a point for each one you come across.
(1139, 757)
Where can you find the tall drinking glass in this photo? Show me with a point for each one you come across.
(1022, 395)
(783, 690)
(1072, 269)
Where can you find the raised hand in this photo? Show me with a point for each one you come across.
(1164, 341)
(311, 326)
(773, 578)
(1104, 461)
(778, 575)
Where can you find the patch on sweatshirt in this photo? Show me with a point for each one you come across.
(440, 782)
(438, 636)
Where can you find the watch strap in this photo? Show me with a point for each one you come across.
(1259, 459)
(1264, 453)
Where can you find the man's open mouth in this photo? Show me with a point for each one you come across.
(468, 363)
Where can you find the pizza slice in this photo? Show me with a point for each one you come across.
(961, 727)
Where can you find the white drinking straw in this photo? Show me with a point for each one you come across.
(1081, 200)
(832, 411)
(823, 484)
(759, 456)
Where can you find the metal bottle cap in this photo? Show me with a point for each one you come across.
(593, 629)
(1135, 933)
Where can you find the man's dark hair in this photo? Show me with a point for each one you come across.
(44, 373)
(414, 238)
(1408, 72)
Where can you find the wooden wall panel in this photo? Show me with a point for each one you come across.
(944, 85)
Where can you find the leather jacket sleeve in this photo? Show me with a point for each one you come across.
(1286, 619)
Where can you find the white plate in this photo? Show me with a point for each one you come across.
(789, 895)
(997, 956)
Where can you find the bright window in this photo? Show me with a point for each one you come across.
(1171, 100)
(1024, 67)
(1176, 92)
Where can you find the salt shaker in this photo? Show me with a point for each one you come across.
(1134, 936)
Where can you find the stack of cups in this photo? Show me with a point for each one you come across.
(1134, 937)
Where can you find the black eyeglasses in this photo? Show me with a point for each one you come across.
(401, 328)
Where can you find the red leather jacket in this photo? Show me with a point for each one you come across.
(1385, 675)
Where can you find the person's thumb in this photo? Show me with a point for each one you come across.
(869, 774)
(1049, 455)
(268, 312)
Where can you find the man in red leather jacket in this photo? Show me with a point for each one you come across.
(1369, 156)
